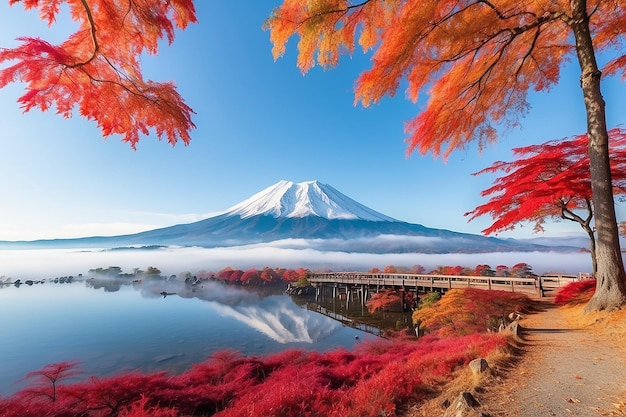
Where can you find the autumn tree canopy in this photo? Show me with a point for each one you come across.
(475, 60)
(97, 69)
(551, 180)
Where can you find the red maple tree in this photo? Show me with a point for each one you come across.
(417, 269)
(383, 300)
(483, 270)
(390, 269)
(251, 276)
(521, 270)
(268, 274)
(551, 180)
(97, 68)
(46, 379)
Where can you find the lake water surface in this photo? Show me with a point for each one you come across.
(109, 327)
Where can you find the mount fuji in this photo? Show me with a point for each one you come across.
(289, 213)
(286, 199)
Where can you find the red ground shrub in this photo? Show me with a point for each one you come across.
(578, 292)
(140, 408)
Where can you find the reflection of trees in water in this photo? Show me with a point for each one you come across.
(152, 284)
(110, 279)
(109, 285)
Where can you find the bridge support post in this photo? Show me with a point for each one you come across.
(403, 299)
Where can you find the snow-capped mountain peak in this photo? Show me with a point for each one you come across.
(310, 198)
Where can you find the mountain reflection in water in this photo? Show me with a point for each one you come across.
(115, 325)
(281, 320)
(274, 315)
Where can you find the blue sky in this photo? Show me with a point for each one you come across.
(258, 122)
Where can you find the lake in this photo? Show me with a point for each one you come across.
(111, 326)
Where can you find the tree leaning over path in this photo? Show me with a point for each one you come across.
(97, 69)
(549, 180)
(479, 58)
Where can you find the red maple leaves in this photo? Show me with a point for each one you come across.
(97, 69)
(548, 180)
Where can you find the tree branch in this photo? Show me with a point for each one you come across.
(94, 39)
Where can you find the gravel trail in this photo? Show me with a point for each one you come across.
(566, 370)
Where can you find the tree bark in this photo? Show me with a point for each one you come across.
(611, 279)
(592, 250)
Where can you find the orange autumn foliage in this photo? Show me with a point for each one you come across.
(97, 69)
(476, 60)
(470, 310)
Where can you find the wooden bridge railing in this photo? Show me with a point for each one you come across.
(561, 280)
(427, 282)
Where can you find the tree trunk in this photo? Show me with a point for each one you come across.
(586, 225)
(592, 249)
(611, 278)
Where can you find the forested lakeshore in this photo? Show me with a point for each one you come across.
(382, 377)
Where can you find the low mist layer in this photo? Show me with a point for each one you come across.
(46, 263)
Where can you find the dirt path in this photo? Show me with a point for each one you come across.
(567, 369)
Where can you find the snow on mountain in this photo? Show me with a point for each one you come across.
(287, 199)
